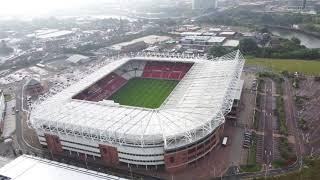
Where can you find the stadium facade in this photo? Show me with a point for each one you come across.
(83, 120)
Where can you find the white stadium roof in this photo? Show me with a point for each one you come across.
(33, 168)
(193, 110)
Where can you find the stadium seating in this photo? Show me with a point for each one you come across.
(103, 88)
(131, 69)
(166, 70)
(108, 85)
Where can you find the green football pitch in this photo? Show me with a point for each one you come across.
(147, 93)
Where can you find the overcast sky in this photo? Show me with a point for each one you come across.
(39, 7)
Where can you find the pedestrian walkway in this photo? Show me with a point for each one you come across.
(9, 120)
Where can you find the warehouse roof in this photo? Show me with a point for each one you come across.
(76, 58)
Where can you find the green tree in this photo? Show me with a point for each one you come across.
(217, 51)
(248, 46)
(296, 40)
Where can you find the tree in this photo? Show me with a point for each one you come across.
(248, 46)
(217, 51)
(296, 40)
(264, 30)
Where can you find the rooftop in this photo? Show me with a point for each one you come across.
(216, 39)
(152, 39)
(76, 58)
(191, 33)
(231, 43)
(227, 33)
(54, 34)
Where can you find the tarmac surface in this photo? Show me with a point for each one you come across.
(267, 112)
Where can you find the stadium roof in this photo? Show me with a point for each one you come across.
(31, 168)
(193, 109)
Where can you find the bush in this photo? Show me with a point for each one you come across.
(248, 46)
(302, 124)
(281, 116)
(250, 168)
(279, 163)
(284, 149)
(217, 51)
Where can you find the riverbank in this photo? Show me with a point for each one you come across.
(314, 34)
(307, 39)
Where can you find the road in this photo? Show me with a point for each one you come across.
(267, 122)
(266, 107)
(19, 123)
(268, 128)
(291, 118)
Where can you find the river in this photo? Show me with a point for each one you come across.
(307, 40)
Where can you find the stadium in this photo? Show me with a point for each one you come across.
(151, 111)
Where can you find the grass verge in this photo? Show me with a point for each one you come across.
(310, 171)
(291, 65)
(7, 97)
(279, 112)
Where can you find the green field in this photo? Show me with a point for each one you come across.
(291, 65)
(147, 93)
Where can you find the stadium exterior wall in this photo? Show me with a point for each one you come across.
(112, 154)
(178, 159)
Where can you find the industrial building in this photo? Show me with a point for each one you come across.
(78, 59)
(202, 41)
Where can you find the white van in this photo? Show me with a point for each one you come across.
(224, 141)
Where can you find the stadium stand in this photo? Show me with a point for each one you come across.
(103, 88)
(166, 70)
(108, 85)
